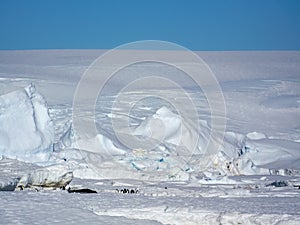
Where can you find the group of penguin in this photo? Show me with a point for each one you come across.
(127, 191)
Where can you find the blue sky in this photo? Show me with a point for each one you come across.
(105, 24)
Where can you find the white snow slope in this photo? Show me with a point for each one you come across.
(252, 177)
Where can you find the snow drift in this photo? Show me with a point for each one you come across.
(26, 130)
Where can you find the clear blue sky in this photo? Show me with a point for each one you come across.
(105, 24)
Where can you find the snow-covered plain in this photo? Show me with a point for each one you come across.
(252, 178)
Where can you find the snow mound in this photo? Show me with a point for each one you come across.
(56, 176)
(171, 128)
(256, 135)
(274, 153)
(15, 174)
(26, 130)
(8, 183)
(163, 122)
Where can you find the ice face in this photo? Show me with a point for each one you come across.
(26, 130)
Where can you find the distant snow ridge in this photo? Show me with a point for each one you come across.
(26, 130)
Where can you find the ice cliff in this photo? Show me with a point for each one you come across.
(26, 130)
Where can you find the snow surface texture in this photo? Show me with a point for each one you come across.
(260, 89)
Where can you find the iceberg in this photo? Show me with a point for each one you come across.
(26, 130)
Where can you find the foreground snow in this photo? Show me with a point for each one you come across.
(253, 178)
(180, 203)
